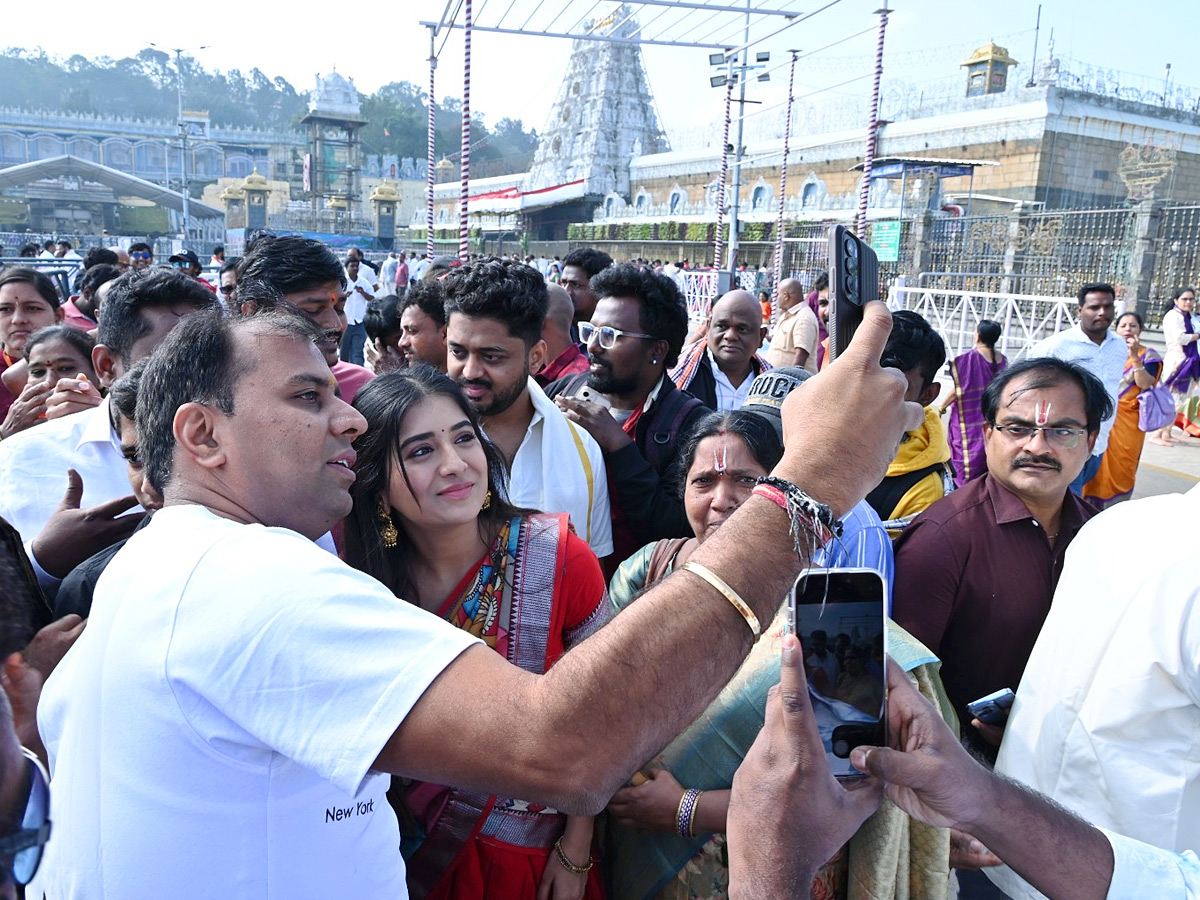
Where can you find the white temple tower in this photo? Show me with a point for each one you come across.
(603, 115)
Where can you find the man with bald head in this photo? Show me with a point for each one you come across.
(564, 354)
(719, 368)
(797, 332)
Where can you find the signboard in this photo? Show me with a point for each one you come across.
(885, 241)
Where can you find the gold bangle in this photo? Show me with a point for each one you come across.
(570, 866)
(730, 594)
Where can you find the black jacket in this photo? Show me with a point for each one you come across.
(645, 472)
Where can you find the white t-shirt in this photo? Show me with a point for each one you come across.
(356, 303)
(33, 471)
(1108, 711)
(210, 734)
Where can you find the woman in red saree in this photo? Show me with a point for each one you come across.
(431, 521)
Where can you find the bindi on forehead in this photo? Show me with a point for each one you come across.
(1041, 412)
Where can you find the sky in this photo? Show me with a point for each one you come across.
(517, 76)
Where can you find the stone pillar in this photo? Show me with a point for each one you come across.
(234, 199)
(1148, 220)
(922, 238)
(385, 198)
(1010, 251)
(256, 188)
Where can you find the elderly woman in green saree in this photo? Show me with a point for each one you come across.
(660, 841)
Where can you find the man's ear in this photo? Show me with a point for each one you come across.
(537, 357)
(929, 394)
(1091, 440)
(194, 427)
(107, 365)
(658, 351)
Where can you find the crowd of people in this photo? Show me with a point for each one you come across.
(454, 579)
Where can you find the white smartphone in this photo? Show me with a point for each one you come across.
(839, 616)
(594, 396)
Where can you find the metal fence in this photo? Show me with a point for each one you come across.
(1025, 318)
(1176, 253)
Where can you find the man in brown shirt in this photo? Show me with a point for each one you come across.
(975, 573)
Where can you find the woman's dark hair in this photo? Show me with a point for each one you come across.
(1179, 292)
(41, 283)
(1137, 316)
(760, 436)
(80, 340)
(989, 332)
(385, 401)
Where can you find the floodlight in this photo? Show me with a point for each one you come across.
(763, 56)
(717, 80)
(765, 76)
(716, 59)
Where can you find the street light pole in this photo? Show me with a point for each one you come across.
(737, 156)
(183, 136)
(183, 130)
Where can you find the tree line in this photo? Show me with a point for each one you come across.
(143, 86)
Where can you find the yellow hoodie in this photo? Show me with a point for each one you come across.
(923, 447)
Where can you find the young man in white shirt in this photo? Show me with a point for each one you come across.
(1097, 349)
(139, 313)
(495, 312)
(360, 290)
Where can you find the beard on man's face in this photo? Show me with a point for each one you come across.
(602, 379)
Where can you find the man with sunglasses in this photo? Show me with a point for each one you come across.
(976, 571)
(189, 263)
(628, 404)
(141, 256)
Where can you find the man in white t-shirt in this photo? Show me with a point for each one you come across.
(218, 728)
(360, 290)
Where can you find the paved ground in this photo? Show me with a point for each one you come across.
(1166, 470)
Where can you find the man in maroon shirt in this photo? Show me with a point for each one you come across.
(564, 354)
(975, 572)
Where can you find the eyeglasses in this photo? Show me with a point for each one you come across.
(139, 254)
(23, 846)
(181, 264)
(607, 336)
(1061, 437)
(227, 289)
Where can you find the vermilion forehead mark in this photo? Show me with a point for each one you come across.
(1041, 413)
(719, 459)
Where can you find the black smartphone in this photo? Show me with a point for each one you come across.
(993, 709)
(853, 282)
(839, 616)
